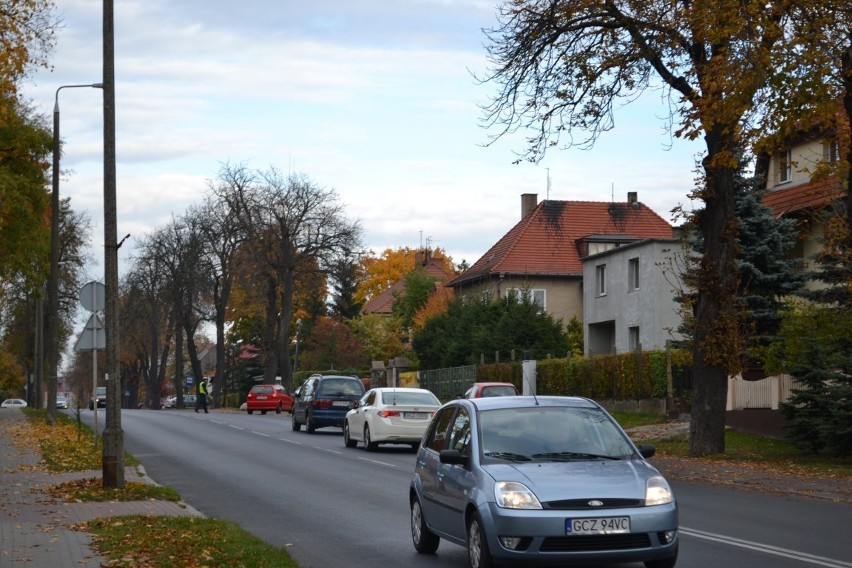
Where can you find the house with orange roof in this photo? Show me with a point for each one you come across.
(542, 255)
(802, 183)
(432, 265)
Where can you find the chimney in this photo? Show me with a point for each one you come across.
(528, 203)
(633, 199)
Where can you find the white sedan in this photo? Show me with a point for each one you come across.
(13, 403)
(389, 416)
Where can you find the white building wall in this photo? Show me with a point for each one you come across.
(651, 307)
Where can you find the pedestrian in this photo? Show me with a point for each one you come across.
(201, 395)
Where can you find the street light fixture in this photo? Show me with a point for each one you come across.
(53, 282)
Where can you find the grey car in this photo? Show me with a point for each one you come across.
(532, 480)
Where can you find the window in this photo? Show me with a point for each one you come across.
(785, 166)
(595, 248)
(633, 338)
(829, 151)
(537, 296)
(460, 433)
(437, 437)
(633, 274)
(600, 279)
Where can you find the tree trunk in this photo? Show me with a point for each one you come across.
(270, 368)
(716, 346)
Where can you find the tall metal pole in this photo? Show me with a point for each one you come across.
(53, 282)
(113, 454)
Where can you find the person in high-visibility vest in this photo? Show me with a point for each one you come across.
(201, 395)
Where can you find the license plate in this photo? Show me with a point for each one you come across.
(420, 415)
(340, 403)
(597, 525)
(261, 397)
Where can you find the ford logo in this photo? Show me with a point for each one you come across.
(595, 503)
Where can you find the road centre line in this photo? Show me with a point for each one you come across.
(767, 549)
(378, 462)
(291, 441)
(328, 450)
(260, 434)
(235, 427)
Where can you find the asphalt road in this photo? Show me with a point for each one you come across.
(331, 506)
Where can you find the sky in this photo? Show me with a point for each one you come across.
(375, 99)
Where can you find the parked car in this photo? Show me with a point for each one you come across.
(61, 402)
(13, 403)
(268, 397)
(100, 396)
(539, 479)
(324, 401)
(389, 416)
(189, 401)
(479, 390)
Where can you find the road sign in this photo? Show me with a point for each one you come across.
(93, 336)
(92, 296)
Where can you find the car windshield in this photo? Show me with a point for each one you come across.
(413, 398)
(550, 433)
(100, 391)
(340, 387)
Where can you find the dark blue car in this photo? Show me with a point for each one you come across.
(324, 401)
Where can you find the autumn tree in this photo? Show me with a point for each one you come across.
(332, 345)
(221, 238)
(27, 35)
(292, 225)
(381, 272)
(562, 67)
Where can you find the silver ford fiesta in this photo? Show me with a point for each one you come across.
(539, 480)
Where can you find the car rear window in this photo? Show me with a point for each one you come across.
(261, 390)
(410, 398)
(499, 390)
(340, 387)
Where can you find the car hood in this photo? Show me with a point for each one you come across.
(579, 479)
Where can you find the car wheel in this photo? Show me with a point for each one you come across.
(663, 562)
(369, 444)
(250, 411)
(309, 423)
(477, 545)
(425, 541)
(263, 412)
(347, 441)
(415, 446)
(278, 409)
(295, 424)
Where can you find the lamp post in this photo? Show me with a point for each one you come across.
(53, 281)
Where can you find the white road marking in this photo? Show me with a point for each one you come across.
(765, 548)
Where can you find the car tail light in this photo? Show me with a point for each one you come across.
(250, 396)
(388, 413)
(321, 403)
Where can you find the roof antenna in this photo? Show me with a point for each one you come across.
(613, 191)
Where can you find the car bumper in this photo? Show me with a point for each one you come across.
(323, 417)
(382, 431)
(545, 540)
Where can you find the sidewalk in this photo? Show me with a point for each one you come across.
(34, 526)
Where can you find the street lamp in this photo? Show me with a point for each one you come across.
(53, 282)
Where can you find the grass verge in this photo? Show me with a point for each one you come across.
(139, 541)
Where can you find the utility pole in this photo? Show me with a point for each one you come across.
(113, 453)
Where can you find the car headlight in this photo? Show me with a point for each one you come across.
(512, 495)
(658, 492)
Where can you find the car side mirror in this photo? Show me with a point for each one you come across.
(355, 404)
(647, 450)
(453, 457)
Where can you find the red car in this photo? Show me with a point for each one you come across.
(268, 397)
(480, 390)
